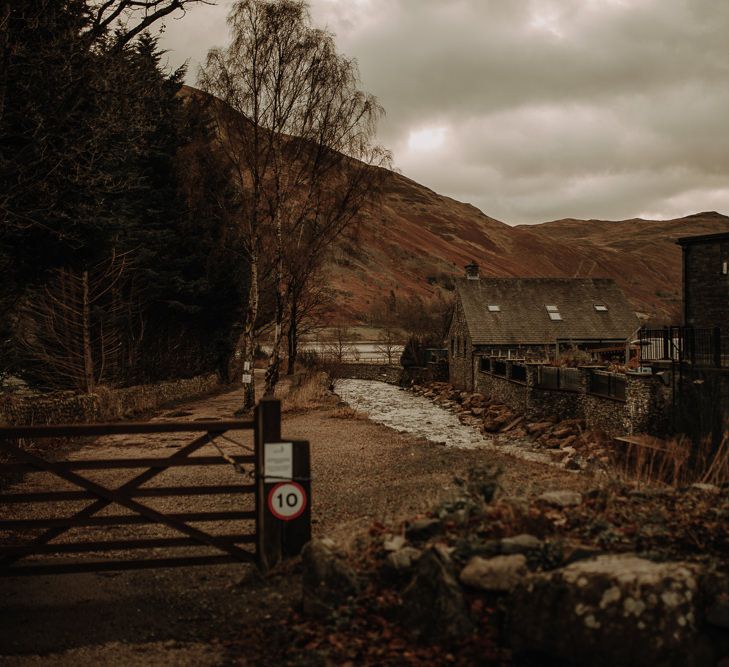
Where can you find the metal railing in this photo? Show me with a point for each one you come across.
(610, 385)
(556, 377)
(706, 347)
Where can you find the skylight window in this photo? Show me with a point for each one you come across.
(552, 309)
(493, 308)
(553, 313)
(555, 316)
(601, 308)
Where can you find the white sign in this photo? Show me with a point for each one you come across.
(287, 501)
(247, 378)
(278, 461)
(246, 365)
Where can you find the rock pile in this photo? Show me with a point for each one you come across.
(606, 576)
(486, 414)
(567, 441)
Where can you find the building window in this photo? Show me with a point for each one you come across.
(493, 308)
(601, 308)
(483, 365)
(553, 313)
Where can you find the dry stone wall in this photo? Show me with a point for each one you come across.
(105, 405)
(383, 372)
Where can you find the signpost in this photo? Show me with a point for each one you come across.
(284, 488)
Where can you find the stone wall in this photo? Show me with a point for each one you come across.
(508, 392)
(383, 372)
(645, 408)
(105, 405)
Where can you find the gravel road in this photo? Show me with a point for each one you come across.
(362, 472)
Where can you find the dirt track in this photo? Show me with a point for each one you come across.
(362, 472)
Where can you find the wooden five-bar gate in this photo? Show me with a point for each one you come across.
(271, 534)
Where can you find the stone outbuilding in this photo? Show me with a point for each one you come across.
(706, 280)
(533, 318)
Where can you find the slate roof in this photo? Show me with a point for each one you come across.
(523, 318)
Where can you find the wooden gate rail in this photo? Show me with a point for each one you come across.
(125, 495)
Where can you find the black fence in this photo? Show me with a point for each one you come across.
(699, 347)
(607, 384)
(498, 367)
(555, 377)
(518, 373)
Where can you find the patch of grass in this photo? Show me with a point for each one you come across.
(347, 412)
(678, 462)
(309, 392)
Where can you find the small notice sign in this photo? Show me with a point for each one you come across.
(278, 461)
(287, 501)
(247, 378)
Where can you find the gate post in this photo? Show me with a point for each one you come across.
(280, 535)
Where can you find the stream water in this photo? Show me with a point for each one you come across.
(405, 412)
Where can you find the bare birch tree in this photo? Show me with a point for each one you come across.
(297, 133)
(69, 329)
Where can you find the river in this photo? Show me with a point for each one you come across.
(405, 412)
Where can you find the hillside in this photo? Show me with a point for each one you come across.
(416, 241)
(419, 240)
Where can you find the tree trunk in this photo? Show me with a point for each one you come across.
(249, 342)
(292, 334)
(274, 365)
(86, 334)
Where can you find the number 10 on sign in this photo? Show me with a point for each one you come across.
(287, 501)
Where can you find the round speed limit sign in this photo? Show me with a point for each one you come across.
(287, 500)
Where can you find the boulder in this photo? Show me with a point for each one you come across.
(611, 610)
(402, 560)
(497, 574)
(537, 428)
(491, 425)
(561, 498)
(423, 529)
(394, 543)
(520, 544)
(434, 607)
(327, 579)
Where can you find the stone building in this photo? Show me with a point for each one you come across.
(706, 280)
(533, 317)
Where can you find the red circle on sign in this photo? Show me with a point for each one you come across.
(287, 500)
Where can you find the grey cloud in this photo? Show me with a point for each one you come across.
(551, 108)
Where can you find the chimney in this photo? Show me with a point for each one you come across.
(472, 271)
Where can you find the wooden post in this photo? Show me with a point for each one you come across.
(717, 347)
(268, 429)
(278, 538)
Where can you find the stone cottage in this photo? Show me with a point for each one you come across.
(533, 317)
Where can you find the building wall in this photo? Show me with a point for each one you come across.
(460, 351)
(706, 288)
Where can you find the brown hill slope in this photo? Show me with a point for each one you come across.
(418, 240)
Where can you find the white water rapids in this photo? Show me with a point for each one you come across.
(405, 412)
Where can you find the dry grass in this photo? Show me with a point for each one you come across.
(677, 462)
(309, 392)
(347, 412)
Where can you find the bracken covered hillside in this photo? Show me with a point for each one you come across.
(418, 240)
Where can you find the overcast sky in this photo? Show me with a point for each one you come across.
(535, 110)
